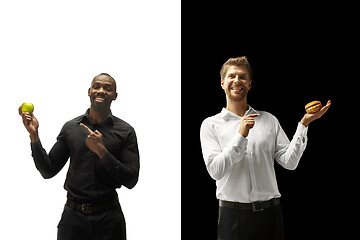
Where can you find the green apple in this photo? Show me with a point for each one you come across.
(27, 107)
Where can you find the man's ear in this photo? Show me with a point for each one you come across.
(115, 97)
(222, 83)
(250, 84)
(89, 92)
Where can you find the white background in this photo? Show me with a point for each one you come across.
(49, 53)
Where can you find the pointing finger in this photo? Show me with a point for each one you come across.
(86, 128)
(252, 115)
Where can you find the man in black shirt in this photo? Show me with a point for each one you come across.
(103, 155)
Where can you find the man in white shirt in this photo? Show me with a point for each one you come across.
(239, 146)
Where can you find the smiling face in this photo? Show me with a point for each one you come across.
(102, 92)
(236, 83)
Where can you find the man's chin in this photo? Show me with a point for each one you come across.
(99, 106)
(237, 97)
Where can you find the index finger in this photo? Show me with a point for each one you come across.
(86, 128)
(23, 114)
(253, 115)
(325, 108)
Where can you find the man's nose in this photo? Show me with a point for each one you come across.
(101, 90)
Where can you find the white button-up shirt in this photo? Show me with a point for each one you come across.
(244, 167)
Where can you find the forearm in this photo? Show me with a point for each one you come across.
(48, 164)
(289, 154)
(126, 174)
(41, 159)
(219, 161)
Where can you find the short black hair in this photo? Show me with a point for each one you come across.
(106, 74)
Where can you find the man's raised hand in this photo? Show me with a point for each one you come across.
(246, 123)
(94, 141)
(309, 117)
(31, 124)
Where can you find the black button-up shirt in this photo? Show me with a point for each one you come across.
(89, 178)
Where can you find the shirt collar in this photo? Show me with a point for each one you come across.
(108, 120)
(227, 114)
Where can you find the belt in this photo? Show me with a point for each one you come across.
(254, 206)
(93, 208)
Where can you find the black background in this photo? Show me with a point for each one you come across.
(298, 54)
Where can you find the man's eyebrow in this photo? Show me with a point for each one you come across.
(237, 73)
(105, 84)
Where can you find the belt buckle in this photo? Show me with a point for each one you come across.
(84, 208)
(257, 206)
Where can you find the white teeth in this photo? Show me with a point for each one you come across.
(99, 99)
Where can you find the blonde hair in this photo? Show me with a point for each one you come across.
(239, 61)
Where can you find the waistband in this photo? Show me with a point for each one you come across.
(88, 208)
(254, 206)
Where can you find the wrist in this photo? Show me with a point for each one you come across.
(34, 137)
(304, 122)
(101, 152)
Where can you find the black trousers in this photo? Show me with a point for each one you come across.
(236, 224)
(75, 225)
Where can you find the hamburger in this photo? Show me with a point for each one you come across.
(313, 107)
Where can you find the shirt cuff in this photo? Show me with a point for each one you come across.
(35, 146)
(109, 161)
(301, 130)
(239, 141)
